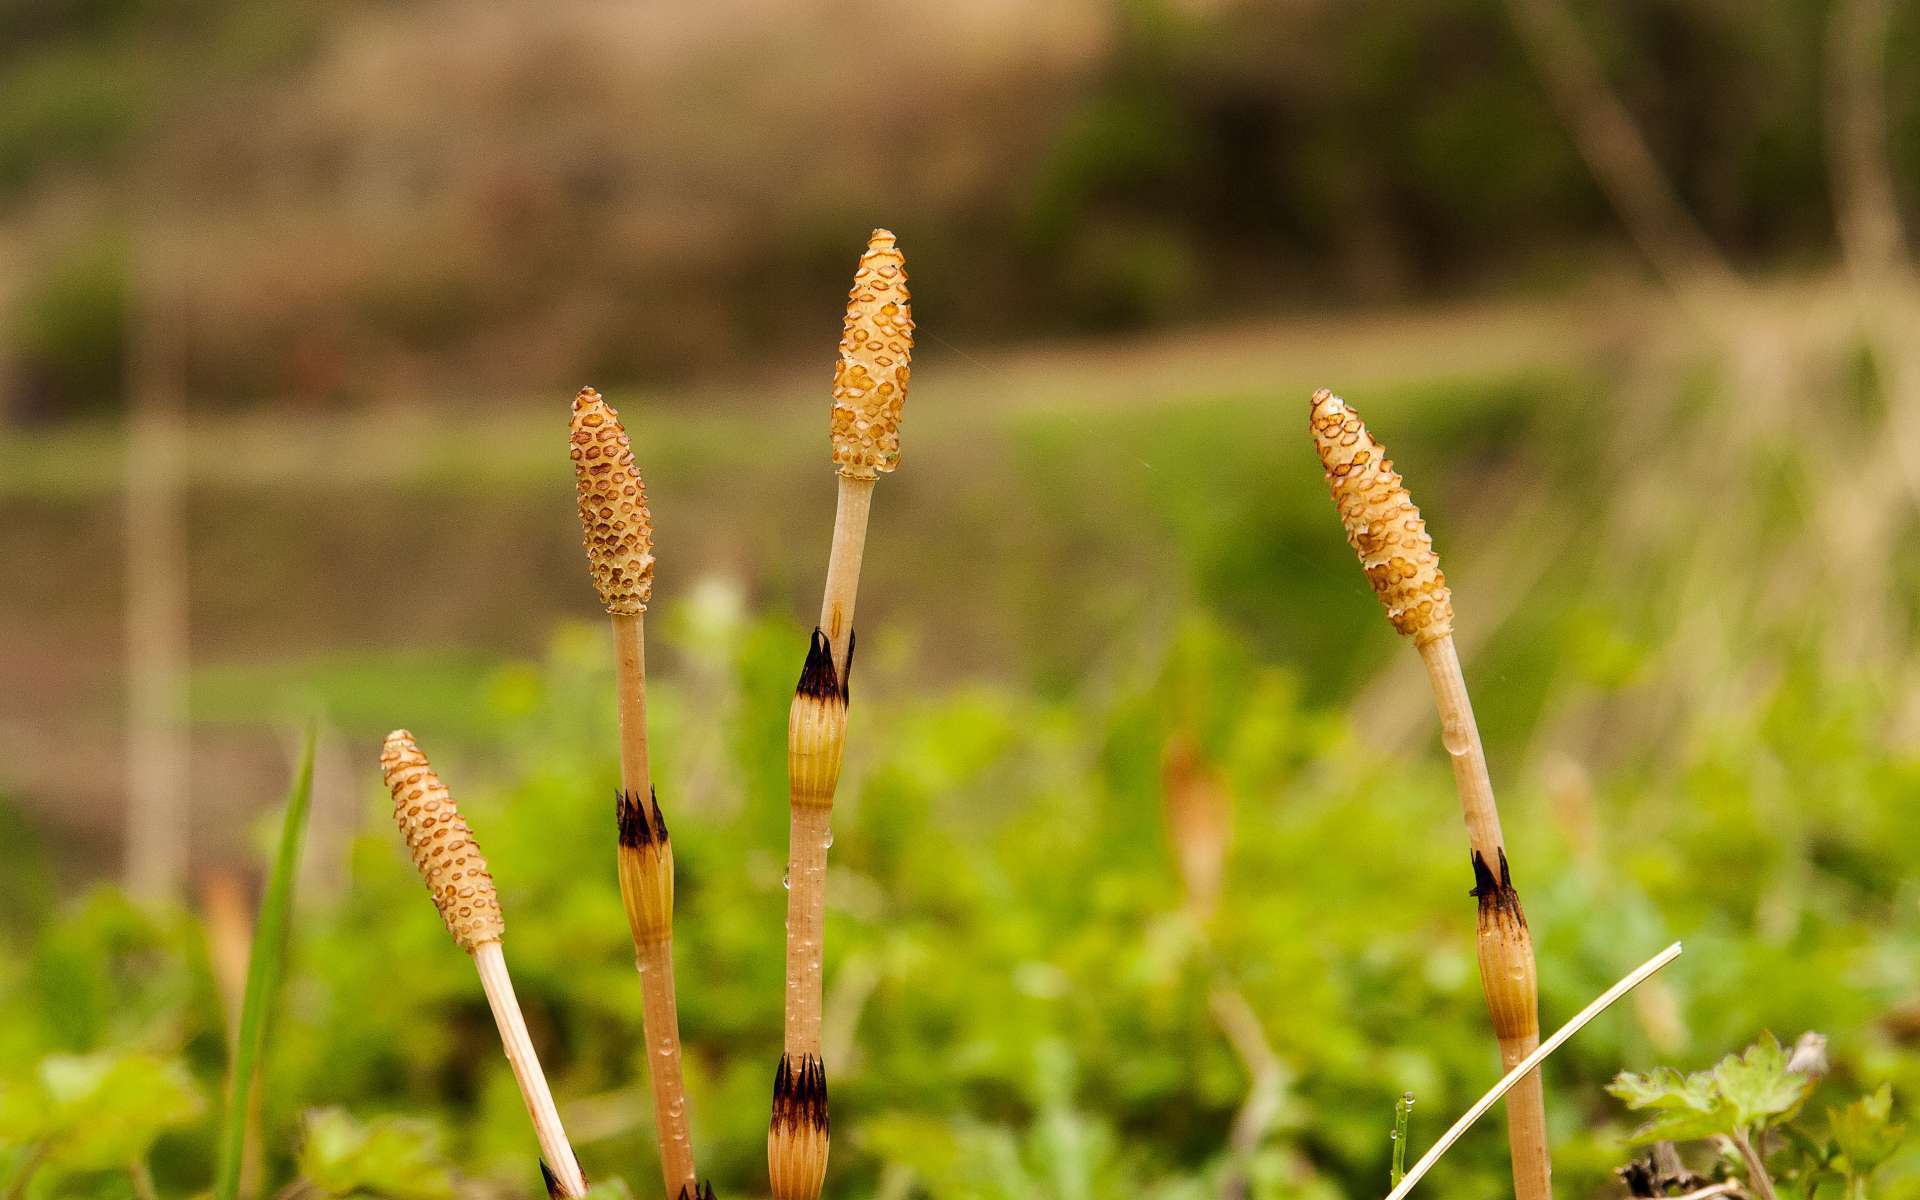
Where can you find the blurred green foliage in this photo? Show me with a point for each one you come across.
(391, 1156)
(70, 327)
(1020, 1003)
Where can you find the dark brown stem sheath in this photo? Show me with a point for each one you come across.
(1505, 946)
(797, 1137)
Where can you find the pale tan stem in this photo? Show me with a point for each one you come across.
(1758, 1179)
(491, 962)
(1615, 150)
(1266, 1084)
(843, 566)
(661, 1013)
(810, 831)
(1461, 736)
(798, 1130)
(1506, 961)
(1727, 1187)
(1856, 119)
(630, 683)
(808, 835)
(1873, 240)
(1526, 1118)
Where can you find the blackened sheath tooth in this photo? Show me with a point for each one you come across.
(638, 826)
(817, 677)
(1497, 897)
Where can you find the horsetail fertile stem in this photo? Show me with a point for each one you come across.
(1386, 531)
(869, 389)
(444, 851)
(618, 532)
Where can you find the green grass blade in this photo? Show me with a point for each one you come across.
(1402, 1117)
(265, 965)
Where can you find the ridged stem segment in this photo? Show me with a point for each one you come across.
(646, 889)
(797, 1138)
(456, 874)
(1505, 951)
(1386, 531)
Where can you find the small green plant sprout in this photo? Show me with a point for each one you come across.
(1745, 1106)
(1860, 1136)
(1402, 1116)
(266, 963)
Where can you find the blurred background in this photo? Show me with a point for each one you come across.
(1148, 876)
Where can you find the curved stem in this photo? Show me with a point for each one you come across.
(1756, 1169)
(491, 962)
(850, 513)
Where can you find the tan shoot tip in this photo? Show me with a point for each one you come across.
(441, 844)
(616, 527)
(870, 378)
(1383, 526)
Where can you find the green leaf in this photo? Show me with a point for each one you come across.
(1686, 1107)
(1741, 1090)
(264, 967)
(1863, 1132)
(1664, 1088)
(389, 1156)
(1758, 1086)
(99, 1111)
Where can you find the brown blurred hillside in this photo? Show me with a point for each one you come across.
(336, 201)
